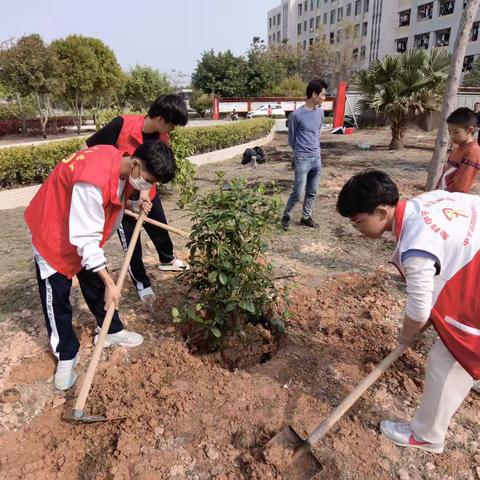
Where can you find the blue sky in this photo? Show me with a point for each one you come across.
(164, 34)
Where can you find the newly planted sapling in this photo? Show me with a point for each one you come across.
(230, 277)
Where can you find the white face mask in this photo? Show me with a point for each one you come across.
(140, 183)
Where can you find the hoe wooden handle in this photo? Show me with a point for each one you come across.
(92, 367)
(159, 224)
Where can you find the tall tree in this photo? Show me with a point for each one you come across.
(441, 144)
(263, 72)
(472, 78)
(29, 67)
(221, 74)
(143, 86)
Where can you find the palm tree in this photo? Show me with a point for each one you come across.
(403, 87)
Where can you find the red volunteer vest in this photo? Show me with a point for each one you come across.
(447, 226)
(131, 137)
(47, 215)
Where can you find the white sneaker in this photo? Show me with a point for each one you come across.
(175, 265)
(123, 338)
(65, 375)
(401, 434)
(147, 296)
(476, 387)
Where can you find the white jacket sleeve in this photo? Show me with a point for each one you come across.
(419, 275)
(87, 219)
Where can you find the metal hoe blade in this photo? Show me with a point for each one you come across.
(289, 452)
(79, 416)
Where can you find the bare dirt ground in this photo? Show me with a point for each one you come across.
(185, 416)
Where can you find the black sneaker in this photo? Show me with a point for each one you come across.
(309, 222)
(285, 223)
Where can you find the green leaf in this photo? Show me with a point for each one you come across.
(230, 307)
(247, 305)
(216, 332)
(223, 278)
(212, 276)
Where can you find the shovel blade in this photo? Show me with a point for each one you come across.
(78, 416)
(291, 455)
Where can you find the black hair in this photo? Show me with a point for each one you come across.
(316, 86)
(366, 191)
(171, 108)
(158, 159)
(464, 117)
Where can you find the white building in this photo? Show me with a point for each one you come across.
(373, 28)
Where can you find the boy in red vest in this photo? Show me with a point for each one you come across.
(126, 133)
(70, 218)
(438, 253)
(463, 163)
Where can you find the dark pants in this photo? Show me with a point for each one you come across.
(160, 238)
(57, 309)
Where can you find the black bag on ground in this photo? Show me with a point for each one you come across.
(256, 152)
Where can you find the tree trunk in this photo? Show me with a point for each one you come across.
(398, 134)
(43, 112)
(441, 143)
(22, 113)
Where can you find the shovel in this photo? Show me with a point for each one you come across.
(78, 414)
(289, 446)
(161, 225)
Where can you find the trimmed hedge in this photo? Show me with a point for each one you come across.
(208, 139)
(33, 163)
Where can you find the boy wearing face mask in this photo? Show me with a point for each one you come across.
(70, 218)
(126, 133)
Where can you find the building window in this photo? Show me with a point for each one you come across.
(364, 29)
(299, 29)
(300, 8)
(325, 18)
(305, 5)
(332, 37)
(317, 22)
(332, 16)
(446, 7)
(404, 18)
(274, 20)
(468, 63)
(311, 41)
(340, 14)
(365, 6)
(355, 53)
(356, 31)
(401, 45)
(278, 19)
(312, 24)
(311, 5)
(269, 39)
(474, 32)
(421, 41)
(278, 37)
(304, 44)
(363, 51)
(358, 7)
(442, 38)
(425, 12)
(269, 23)
(339, 36)
(318, 3)
(305, 26)
(349, 9)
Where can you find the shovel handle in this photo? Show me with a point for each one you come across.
(87, 382)
(359, 390)
(164, 226)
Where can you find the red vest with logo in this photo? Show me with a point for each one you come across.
(447, 226)
(47, 215)
(131, 137)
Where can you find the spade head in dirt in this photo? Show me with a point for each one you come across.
(291, 455)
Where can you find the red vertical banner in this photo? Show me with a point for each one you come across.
(340, 102)
(216, 108)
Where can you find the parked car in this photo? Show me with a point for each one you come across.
(263, 111)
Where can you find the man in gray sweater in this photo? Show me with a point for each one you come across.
(304, 129)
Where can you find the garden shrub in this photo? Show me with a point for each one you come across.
(229, 273)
